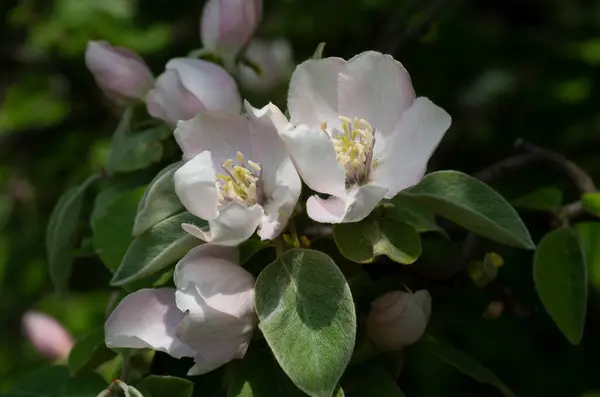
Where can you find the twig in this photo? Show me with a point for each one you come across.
(507, 166)
(578, 176)
(580, 179)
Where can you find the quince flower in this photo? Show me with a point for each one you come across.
(361, 134)
(210, 316)
(238, 176)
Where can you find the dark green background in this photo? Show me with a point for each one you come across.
(503, 70)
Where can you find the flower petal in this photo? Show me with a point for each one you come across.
(377, 88)
(313, 92)
(269, 149)
(208, 82)
(147, 318)
(171, 101)
(213, 270)
(277, 213)
(195, 186)
(282, 184)
(217, 337)
(313, 154)
(354, 207)
(402, 160)
(223, 134)
(234, 224)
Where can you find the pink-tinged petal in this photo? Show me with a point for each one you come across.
(147, 318)
(270, 151)
(227, 25)
(377, 88)
(120, 72)
(223, 134)
(402, 161)
(359, 202)
(217, 294)
(171, 101)
(313, 92)
(195, 186)
(208, 82)
(423, 299)
(217, 337)
(234, 224)
(213, 270)
(47, 335)
(313, 154)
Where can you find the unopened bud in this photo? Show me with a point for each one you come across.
(228, 25)
(275, 61)
(119, 72)
(494, 310)
(398, 319)
(46, 335)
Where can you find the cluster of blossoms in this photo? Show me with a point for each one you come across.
(357, 134)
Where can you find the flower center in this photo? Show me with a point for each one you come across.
(241, 182)
(354, 149)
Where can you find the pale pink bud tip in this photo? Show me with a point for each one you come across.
(46, 335)
(228, 25)
(398, 319)
(119, 72)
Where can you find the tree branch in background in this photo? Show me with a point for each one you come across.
(535, 154)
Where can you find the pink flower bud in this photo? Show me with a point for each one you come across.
(189, 86)
(120, 73)
(275, 60)
(46, 335)
(398, 319)
(227, 25)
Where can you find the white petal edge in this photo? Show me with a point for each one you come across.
(313, 155)
(234, 224)
(313, 92)
(354, 207)
(148, 318)
(402, 159)
(375, 87)
(196, 188)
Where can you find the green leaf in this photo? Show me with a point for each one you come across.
(591, 203)
(89, 352)
(62, 233)
(472, 205)
(560, 276)
(54, 381)
(409, 211)
(589, 234)
(545, 199)
(318, 54)
(163, 244)
(159, 200)
(135, 150)
(362, 241)
(307, 316)
(165, 386)
(370, 379)
(462, 362)
(112, 229)
(109, 194)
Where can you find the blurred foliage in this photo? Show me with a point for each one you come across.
(503, 69)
